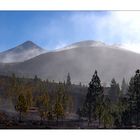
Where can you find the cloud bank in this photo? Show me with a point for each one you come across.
(122, 27)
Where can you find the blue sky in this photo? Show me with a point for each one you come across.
(56, 29)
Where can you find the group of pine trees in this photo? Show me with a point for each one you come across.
(51, 99)
(117, 109)
(97, 105)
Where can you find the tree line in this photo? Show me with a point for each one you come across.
(105, 107)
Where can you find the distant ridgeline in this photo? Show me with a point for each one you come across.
(80, 59)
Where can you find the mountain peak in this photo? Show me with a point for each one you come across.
(22, 52)
(28, 42)
(29, 45)
(85, 43)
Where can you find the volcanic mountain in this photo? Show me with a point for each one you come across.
(21, 53)
(80, 60)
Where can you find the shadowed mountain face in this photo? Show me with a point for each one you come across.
(80, 60)
(21, 53)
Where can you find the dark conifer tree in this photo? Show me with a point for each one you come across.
(35, 78)
(95, 92)
(68, 80)
(134, 98)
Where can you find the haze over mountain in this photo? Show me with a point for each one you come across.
(21, 53)
(80, 60)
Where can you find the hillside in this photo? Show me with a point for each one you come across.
(80, 60)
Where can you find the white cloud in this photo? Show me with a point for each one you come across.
(127, 26)
(122, 27)
(118, 26)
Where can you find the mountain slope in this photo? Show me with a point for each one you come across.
(21, 53)
(81, 63)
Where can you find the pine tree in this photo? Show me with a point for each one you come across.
(60, 102)
(99, 108)
(36, 78)
(134, 98)
(106, 117)
(42, 103)
(94, 96)
(129, 115)
(114, 91)
(68, 80)
(58, 110)
(21, 105)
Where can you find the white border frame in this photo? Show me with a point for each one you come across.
(70, 5)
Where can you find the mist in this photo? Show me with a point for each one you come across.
(7, 106)
(80, 61)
